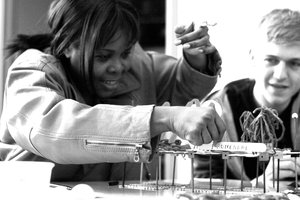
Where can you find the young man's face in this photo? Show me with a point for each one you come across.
(277, 73)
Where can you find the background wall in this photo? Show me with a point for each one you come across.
(232, 36)
(19, 16)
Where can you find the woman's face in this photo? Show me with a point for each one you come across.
(110, 64)
(278, 73)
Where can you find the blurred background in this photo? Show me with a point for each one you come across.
(235, 19)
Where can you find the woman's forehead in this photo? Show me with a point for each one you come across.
(119, 40)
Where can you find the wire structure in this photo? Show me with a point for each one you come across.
(263, 127)
(259, 139)
(176, 149)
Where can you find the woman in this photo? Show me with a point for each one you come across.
(87, 93)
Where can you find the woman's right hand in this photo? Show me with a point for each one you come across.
(198, 125)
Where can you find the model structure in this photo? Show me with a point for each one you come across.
(259, 139)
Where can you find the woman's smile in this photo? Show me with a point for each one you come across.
(111, 84)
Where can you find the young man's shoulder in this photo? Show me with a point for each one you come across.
(233, 88)
(240, 84)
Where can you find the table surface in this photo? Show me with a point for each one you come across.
(105, 191)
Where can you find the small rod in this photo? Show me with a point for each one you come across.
(141, 172)
(174, 168)
(210, 172)
(278, 169)
(257, 168)
(159, 166)
(296, 175)
(242, 173)
(124, 174)
(192, 174)
(273, 165)
(225, 175)
(157, 173)
(264, 175)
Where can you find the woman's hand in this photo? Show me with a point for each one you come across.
(198, 125)
(196, 45)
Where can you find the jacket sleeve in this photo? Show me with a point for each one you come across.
(178, 83)
(43, 121)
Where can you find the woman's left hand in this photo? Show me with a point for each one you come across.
(195, 44)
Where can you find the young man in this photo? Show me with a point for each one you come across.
(276, 59)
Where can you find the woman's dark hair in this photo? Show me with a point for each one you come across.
(89, 24)
(23, 42)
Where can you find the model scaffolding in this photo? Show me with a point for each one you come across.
(259, 139)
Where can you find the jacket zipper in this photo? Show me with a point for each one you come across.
(137, 146)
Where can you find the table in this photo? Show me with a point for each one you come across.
(104, 191)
